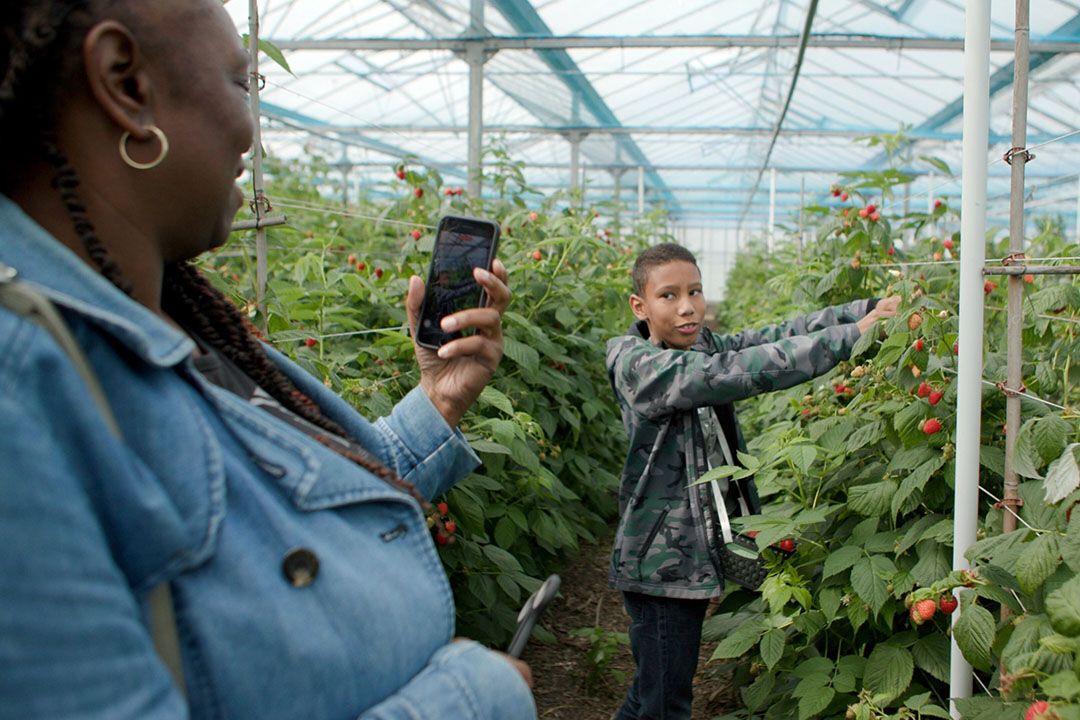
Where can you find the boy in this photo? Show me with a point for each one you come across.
(675, 382)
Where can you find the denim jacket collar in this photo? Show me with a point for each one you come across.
(69, 282)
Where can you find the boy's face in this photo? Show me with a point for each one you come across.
(673, 304)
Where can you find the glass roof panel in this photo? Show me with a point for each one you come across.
(698, 120)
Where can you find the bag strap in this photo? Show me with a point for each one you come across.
(25, 301)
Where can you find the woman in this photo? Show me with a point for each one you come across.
(287, 531)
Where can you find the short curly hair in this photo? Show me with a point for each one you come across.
(656, 256)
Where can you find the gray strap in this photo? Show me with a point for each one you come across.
(163, 629)
(32, 305)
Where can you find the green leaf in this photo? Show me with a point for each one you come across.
(815, 702)
(503, 559)
(829, 602)
(739, 642)
(931, 653)
(759, 691)
(937, 163)
(934, 563)
(864, 343)
(914, 483)
(1063, 685)
(1026, 460)
(506, 532)
(888, 672)
(982, 707)
(522, 354)
(1063, 476)
(772, 647)
(868, 585)
(872, 500)
(1063, 608)
(275, 54)
(894, 346)
(974, 633)
(840, 560)
(865, 435)
(1037, 562)
(490, 447)
(906, 422)
(495, 398)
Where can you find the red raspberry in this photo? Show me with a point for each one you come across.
(948, 604)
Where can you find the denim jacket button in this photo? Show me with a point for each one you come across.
(300, 567)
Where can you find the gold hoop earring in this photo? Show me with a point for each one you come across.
(153, 163)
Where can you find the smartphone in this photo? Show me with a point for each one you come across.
(530, 613)
(461, 244)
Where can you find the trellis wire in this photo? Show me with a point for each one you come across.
(1023, 393)
(1012, 512)
(330, 210)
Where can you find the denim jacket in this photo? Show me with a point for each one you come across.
(211, 494)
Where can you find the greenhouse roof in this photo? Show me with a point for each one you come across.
(696, 100)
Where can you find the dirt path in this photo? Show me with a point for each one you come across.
(561, 669)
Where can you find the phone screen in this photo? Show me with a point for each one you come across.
(461, 244)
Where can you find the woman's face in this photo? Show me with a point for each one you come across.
(204, 111)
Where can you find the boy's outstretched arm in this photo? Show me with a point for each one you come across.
(806, 324)
(654, 381)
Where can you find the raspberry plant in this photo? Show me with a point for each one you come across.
(864, 480)
(546, 427)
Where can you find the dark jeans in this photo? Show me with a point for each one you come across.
(665, 637)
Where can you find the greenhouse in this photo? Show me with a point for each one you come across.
(507, 359)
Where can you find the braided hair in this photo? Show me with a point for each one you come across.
(38, 39)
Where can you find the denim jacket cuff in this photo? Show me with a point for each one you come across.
(441, 455)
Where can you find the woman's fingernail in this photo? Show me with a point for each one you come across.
(442, 352)
(449, 324)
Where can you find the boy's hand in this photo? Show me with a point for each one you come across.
(454, 376)
(885, 308)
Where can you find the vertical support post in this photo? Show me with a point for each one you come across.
(1077, 210)
(802, 213)
(575, 161)
(973, 242)
(474, 56)
(772, 208)
(258, 196)
(1015, 322)
(640, 190)
(617, 174)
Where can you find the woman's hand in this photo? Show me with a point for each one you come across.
(520, 665)
(454, 376)
(885, 308)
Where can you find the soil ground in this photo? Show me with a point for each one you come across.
(560, 669)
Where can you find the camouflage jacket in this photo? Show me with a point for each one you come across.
(660, 547)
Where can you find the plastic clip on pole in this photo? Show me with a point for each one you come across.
(530, 613)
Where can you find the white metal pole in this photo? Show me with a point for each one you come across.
(640, 190)
(258, 196)
(1078, 210)
(973, 257)
(474, 55)
(772, 207)
(575, 161)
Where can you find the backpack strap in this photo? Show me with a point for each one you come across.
(23, 300)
